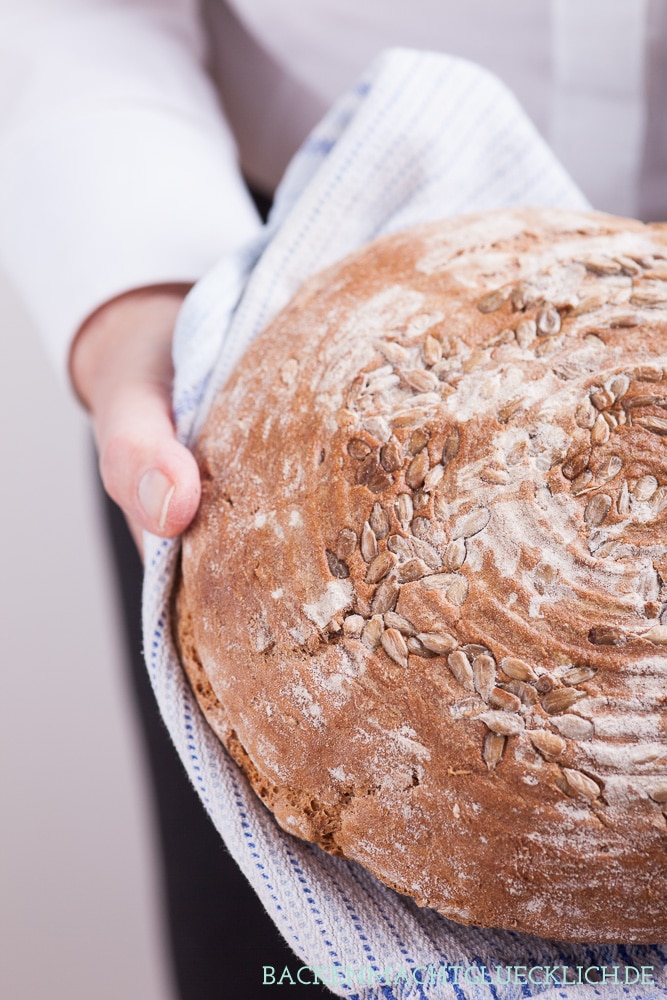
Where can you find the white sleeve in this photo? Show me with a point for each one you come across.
(117, 168)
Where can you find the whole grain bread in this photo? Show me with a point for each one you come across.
(424, 600)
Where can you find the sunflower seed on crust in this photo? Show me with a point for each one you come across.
(459, 664)
(372, 632)
(413, 569)
(516, 669)
(368, 544)
(574, 727)
(394, 646)
(597, 509)
(494, 300)
(484, 675)
(492, 749)
(385, 597)
(380, 566)
(546, 742)
(337, 567)
(504, 700)
(353, 625)
(379, 521)
(580, 784)
(417, 469)
(438, 642)
(560, 699)
(502, 723)
(392, 620)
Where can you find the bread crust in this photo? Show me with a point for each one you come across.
(463, 689)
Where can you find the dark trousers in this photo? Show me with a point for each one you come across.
(219, 934)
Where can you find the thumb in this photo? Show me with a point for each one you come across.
(121, 369)
(144, 468)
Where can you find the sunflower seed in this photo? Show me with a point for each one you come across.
(630, 266)
(385, 597)
(497, 477)
(548, 321)
(648, 373)
(417, 469)
(372, 632)
(401, 546)
(645, 487)
(585, 415)
(546, 347)
(404, 507)
(368, 468)
(648, 297)
(657, 635)
(601, 265)
(418, 440)
(526, 694)
(455, 554)
(544, 684)
(451, 447)
(439, 581)
(423, 550)
(391, 456)
(492, 749)
(484, 675)
(601, 399)
(516, 669)
(438, 642)
(368, 544)
(472, 523)
(420, 499)
(657, 425)
(644, 399)
(618, 386)
(597, 509)
(600, 432)
(574, 466)
(346, 544)
(393, 352)
(526, 332)
(459, 665)
(432, 351)
(657, 272)
(379, 521)
(420, 527)
(457, 594)
(504, 700)
(624, 500)
(610, 419)
(578, 675)
(581, 482)
(337, 567)
(607, 635)
(394, 646)
(413, 569)
(380, 566)
(573, 727)
(405, 419)
(590, 304)
(415, 647)
(658, 791)
(494, 300)
(560, 699)
(378, 427)
(609, 470)
(392, 620)
(581, 784)
(357, 448)
(433, 477)
(503, 723)
(419, 379)
(546, 742)
(658, 501)
(353, 626)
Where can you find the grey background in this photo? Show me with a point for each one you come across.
(79, 907)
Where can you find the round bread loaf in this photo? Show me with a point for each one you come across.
(424, 601)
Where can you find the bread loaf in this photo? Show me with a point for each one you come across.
(424, 601)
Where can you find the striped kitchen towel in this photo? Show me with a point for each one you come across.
(423, 136)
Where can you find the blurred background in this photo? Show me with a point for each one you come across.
(79, 910)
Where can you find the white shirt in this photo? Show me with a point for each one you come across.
(119, 169)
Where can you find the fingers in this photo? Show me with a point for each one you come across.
(150, 475)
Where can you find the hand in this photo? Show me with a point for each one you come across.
(122, 371)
